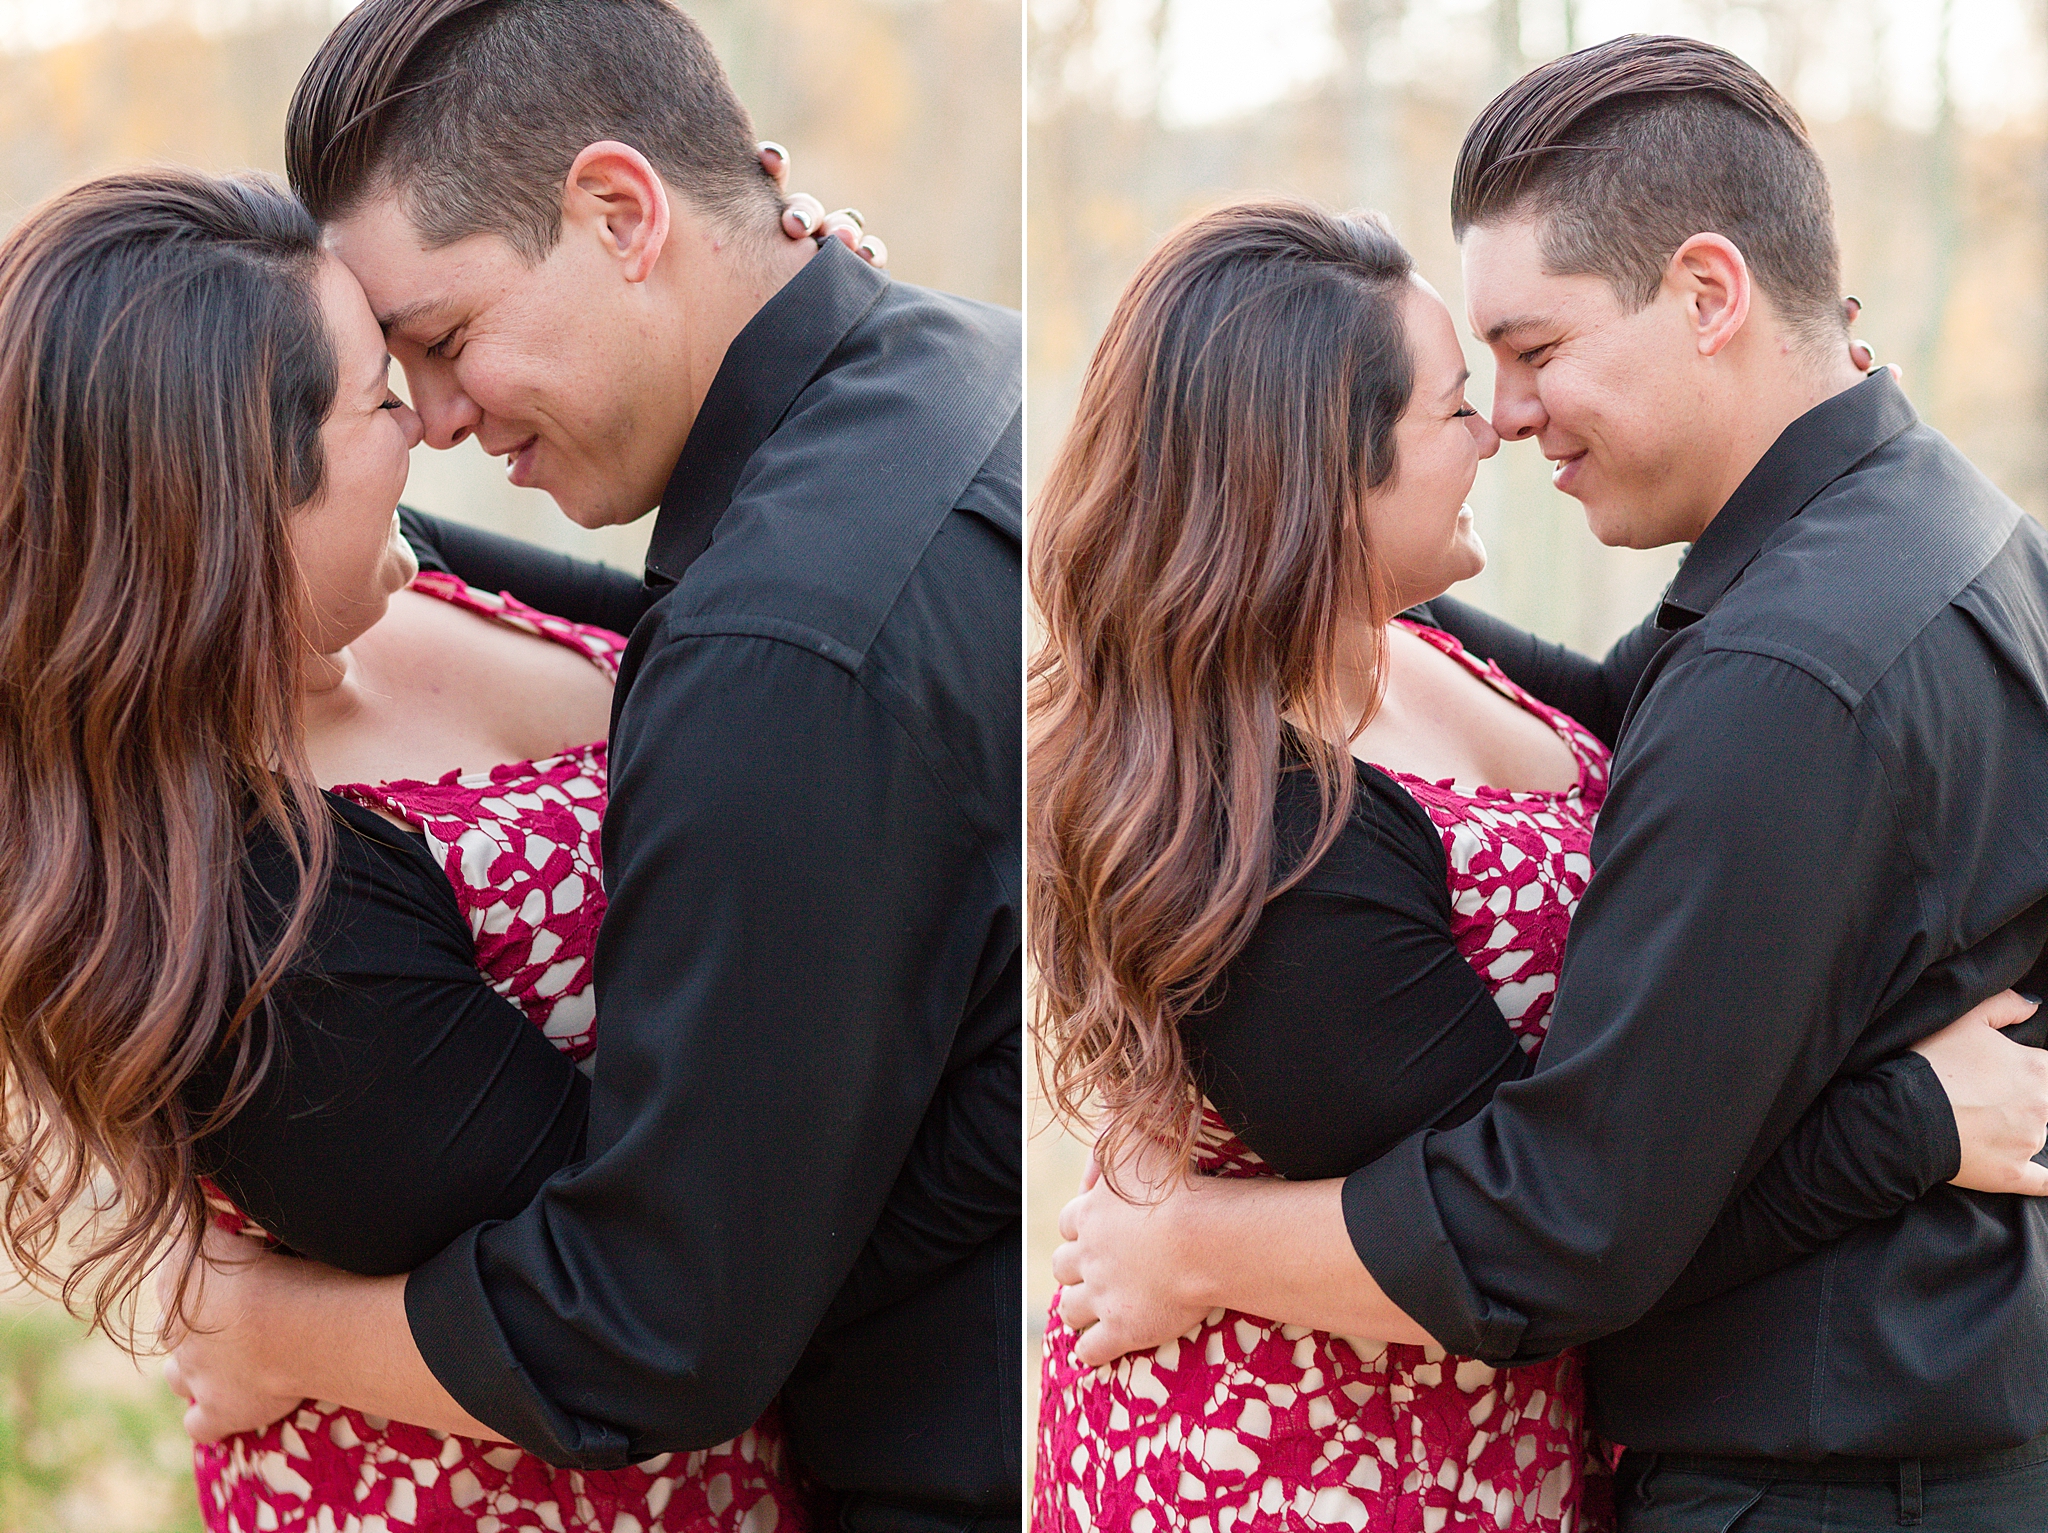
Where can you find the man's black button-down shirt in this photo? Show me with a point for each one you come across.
(804, 1120)
(1827, 836)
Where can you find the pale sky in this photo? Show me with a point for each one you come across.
(1223, 58)
(29, 25)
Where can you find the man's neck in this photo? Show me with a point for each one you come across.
(730, 281)
(1774, 392)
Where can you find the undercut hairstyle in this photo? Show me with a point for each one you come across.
(472, 112)
(1200, 557)
(164, 373)
(1623, 151)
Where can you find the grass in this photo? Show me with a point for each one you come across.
(89, 1438)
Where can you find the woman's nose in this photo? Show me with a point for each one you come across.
(1488, 438)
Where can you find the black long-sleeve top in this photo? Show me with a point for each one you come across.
(407, 1099)
(1826, 835)
(813, 861)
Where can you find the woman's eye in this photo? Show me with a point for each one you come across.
(393, 403)
(1464, 414)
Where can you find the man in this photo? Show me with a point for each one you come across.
(1827, 835)
(802, 1173)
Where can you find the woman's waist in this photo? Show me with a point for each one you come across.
(1234, 1354)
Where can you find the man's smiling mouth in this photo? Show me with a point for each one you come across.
(519, 461)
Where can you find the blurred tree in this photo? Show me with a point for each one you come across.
(1943, 197)
(1375, 170)
(1508, 58)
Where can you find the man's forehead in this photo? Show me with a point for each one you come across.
(407, 290)
(1503, 272)
(1528, 322)
(403, 281)
(419, 311)
(1508, 293)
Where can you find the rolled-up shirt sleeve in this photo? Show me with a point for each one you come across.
(781, 977)
(1677, 1060)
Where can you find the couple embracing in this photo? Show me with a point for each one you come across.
(607, 991)
(1595, 1067)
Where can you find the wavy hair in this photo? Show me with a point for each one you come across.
(164, 373)
(1199, 560)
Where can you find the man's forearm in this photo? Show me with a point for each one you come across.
(1280, 1249)
(330, 1335)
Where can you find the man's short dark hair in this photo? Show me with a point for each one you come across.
(473, 110)
(1625, 150)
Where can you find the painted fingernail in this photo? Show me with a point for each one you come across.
(2031, 1000)
(769, 146)
(805, 217)
(854, 214)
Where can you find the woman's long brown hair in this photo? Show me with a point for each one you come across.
(164, 372)
(1199, 560)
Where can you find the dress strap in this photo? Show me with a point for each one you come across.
(600, 646)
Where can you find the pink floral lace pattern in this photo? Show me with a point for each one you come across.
(520, 846)
(1243, 1425)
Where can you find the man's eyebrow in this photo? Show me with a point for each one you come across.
(1516, 322)
(406, 313)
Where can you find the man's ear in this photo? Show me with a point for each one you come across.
(1712, 278)
(614, 194)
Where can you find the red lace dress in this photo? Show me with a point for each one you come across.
(519, 843)
(1243, 1425)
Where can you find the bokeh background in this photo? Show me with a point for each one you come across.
(910, 110)
(1932, 117)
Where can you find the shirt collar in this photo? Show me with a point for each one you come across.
(1808, 456)
(779, 351)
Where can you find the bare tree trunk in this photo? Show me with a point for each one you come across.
(1944, 211)
(1508, 58)
(2040, 486)
(1370, 114)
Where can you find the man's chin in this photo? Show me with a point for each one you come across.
(593, 511)
(1611, 524)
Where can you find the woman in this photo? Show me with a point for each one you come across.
(1302, 869)
(269, 795)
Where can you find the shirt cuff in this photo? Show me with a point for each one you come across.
(1391, 1215)
(1920, 1102)
(448, 1308)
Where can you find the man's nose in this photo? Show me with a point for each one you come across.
(1517, 410)
(447, 415)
